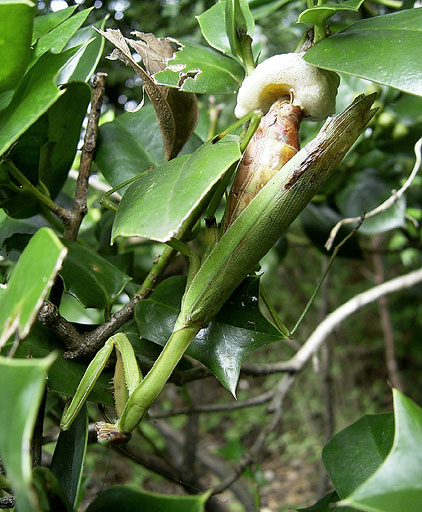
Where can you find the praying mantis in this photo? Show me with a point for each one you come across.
(244, 242)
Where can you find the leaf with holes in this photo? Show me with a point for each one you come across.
(199, 69)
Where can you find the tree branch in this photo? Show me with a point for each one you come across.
(79, 208)
(326, 327)
(230, 406)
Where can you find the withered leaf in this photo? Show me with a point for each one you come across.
(176, 111)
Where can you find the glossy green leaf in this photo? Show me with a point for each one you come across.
(129, 145)
(64, 375)
(41, 259)
(93, 280)
(396, 486)
(318, 220)
(22, 382)
(69, 456)
(158, 204)
(45, 23)
(354, 454)
(93, 49)
(320, 13)
(364, 191)
(16, 22)
(56, 40)
(381, 49)
(199, 69)
(237, 330)
(126, 499)
(46, 150)
(213, 27)
(35, 94)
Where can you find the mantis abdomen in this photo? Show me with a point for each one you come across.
(274, 143)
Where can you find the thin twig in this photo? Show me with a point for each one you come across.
(27, 186)
(304, 355)
(95, 184)
(392, 366)
(231, 406)
(395, 196)
(79, 208)
(90, 342)
(326, 327)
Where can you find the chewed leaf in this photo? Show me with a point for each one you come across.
(199, 69)
(239, 329)
(177, 113)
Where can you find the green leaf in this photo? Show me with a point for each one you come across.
(125, 499)
(364, 191)
(45, 152)
(45, 23)
(93, 280)
(64, 375)
(16, 21)
(318, 220)
(69, 456)
(55, 40)
(213, 27)
(159, 203)
(41, 260)
(381, 49)
(237, 330)
(93, 49)
(396, 486)
(319, 14)
(35, 94)
(199, 69)
(356, 452)
(129, 145)
(22, 382)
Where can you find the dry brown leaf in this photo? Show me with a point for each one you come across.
(176, 111)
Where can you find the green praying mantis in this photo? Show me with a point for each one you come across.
(210, 282)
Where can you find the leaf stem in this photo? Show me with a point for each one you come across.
(280, 326)
(62, 213)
